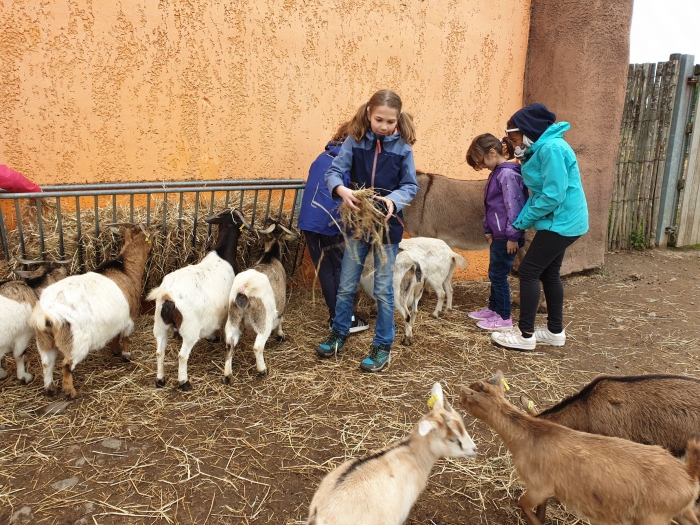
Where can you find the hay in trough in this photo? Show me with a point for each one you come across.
(182, 243)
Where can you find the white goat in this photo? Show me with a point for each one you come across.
(382, 487)
(85, 312)
(17, 299)
(194, 300)
(420, 261)
(258, 299)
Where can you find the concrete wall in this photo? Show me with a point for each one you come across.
(578, 54)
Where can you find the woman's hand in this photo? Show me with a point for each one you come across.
(348, 197)
(512, 247)
(389, 206)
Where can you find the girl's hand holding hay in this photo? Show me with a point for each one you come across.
(348, 197)
(388, 204)
(366, 219)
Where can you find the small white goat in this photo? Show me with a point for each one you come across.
(258, 299)
(194, 300)
(17, 299)
(420, 261)
(382, 487)
(85, 312)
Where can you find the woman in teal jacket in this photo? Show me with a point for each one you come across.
(557, 210)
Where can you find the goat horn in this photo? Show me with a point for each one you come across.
(118, 224)
(27, 275)
(240, 216)
(285, 229)
(269, 229)
(28, 262)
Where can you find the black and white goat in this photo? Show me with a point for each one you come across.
(258, 299)
(17, 299)
(194, 300)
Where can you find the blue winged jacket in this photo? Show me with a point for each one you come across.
(319, 212)
(395, 174)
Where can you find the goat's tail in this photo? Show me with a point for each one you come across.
(692, 454)
(45, 326)
(461, 261)
(155, 294)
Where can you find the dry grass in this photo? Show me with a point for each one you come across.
(254, 451)
(181, 244)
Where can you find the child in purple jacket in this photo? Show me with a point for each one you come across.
(504, 197)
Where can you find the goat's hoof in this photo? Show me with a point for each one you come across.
(126, 358)
(26, 379)
(71, 394)
(185, 387)
(51, 391)
(227, 380)
(407, 341)
(436, 316)
(281, 339)
(214, 339)
(263, 373)
(160, 383)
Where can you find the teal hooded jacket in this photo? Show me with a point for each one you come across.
(557, 202)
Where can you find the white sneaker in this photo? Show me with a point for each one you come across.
(514, 339)
(543, 335)
(357, 325)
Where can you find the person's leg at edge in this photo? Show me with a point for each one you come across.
(316, 244)
(353, 263)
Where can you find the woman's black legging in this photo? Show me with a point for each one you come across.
(542, 262)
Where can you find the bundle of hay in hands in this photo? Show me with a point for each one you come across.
(369, 222)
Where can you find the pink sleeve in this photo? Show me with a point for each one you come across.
(14, 182)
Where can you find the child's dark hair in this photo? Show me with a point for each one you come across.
(481, 146)
(385, 97)
(342, 132)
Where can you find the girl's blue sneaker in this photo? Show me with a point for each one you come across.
(332, 345)
(378, 358)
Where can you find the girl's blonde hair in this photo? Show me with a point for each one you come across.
(481, 146)
(385, 97)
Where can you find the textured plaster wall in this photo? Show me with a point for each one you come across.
(105, 90)
(577, 65)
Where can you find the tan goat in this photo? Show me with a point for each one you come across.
(607, 480)
(84, 312)
(380, 489)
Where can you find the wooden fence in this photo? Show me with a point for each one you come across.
(653, 155)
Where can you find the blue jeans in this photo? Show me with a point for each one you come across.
(500, 263)
(353, 263)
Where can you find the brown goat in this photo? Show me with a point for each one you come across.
(607, 480)
(661, 410)
(84, 312)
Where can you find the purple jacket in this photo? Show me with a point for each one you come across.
(504, 197)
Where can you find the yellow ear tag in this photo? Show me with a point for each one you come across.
(505, 384)
(242, 226)
(431, 401)
(530, 405)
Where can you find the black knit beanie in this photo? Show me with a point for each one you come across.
(533, 120)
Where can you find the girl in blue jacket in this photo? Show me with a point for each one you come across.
(504, 198)
(378, 155)
(558, 212)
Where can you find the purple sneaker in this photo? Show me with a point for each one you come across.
(486, 313)
(496, 323)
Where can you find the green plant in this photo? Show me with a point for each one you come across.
(638, 241)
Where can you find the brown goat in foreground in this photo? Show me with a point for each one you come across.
(661, 410)
(607, 480)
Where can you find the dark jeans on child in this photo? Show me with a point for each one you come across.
(500, 263)
(542, 262)
(332, 248)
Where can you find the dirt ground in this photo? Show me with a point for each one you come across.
(254, 451)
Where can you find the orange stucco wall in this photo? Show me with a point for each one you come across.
(105, 90)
